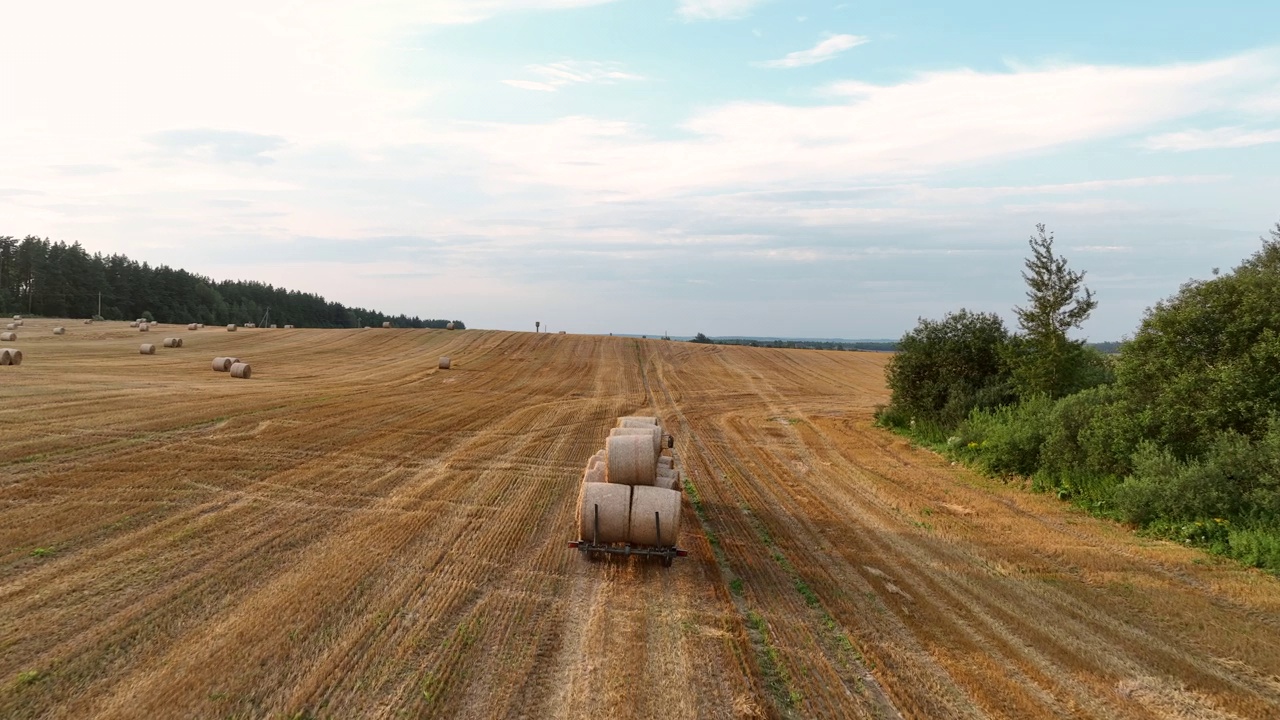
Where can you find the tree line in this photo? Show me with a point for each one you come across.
(1177, 434)
(54, 279)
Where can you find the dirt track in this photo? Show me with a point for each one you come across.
(354, 533)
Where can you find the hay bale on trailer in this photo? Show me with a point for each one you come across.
(611, 505)
(10, 356)
(147, 349)
(655, 516)
(8, 336)
(241, 370)
(594, 473)
(59, 331)
(669, 479)
(666, 462)
(638, 421)
(629, 460)
(445, 363)
(653, 432)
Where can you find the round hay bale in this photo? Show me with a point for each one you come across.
(386, 325)
(288, 327)
(594, 473)
(179, 341)
(17, 317)
(192, 326)
(199, 326)
(614, 505)
(133, 324)
(638, 421)
(652, 431)
(669, 479)
(88, 322)
(11, 326)
(171, 342)
(147, 349)
(10, 356)
(449, 326)
(241, 370)
(223, 364)
(20, 323)
(594, 460)
(273, 326)
(445, 363)
(59, 331)
(144, 328)
(231, 328)
(629, 460)
(8, 336)
(645, 503)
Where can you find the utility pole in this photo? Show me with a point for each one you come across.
(537, 326)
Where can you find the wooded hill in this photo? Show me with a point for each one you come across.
(54, 279)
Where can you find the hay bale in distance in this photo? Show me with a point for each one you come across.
(221, 364)
(614, 505)
(10, 356)
(288, 327)
(386, 325)
(629, 460)
(8, 336)
(192, 326)
(17, 317)
(241, 370)
(59, 331)
(638, 421)
(645, 502)
(449, 326)
(20, 323)
(133, 324)
(147, 349)
(11, 326)
(445, 363)
(144, 328)
(231, 327)
(171, 342)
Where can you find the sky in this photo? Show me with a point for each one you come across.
(732, 167)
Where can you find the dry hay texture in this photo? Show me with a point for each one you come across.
(59, 331)
(629, 459)
(231, 328)
(654, 510)
(653, 432)
(147, 349)
(445, 363)
(241, 370)
(613, 503)
(10, 356)
(193, 326)
(376, 539)
(8, 336)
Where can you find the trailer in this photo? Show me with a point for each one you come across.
(593, 550)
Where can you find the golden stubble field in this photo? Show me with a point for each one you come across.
(355, 533)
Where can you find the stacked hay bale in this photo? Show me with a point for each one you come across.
(10, 356)
(630, 490)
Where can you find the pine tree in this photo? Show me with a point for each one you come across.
(1043, 359)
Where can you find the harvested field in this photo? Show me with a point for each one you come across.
(388, 540)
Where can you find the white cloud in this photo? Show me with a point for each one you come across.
(1225, 137)
(553, 76)
(825, 50)
(933, 121)
(716, 9)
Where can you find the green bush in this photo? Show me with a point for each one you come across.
(1006, 440)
